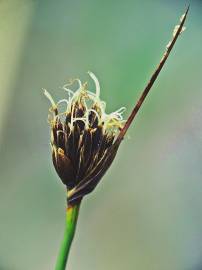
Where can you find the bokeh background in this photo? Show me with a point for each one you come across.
(147, 211)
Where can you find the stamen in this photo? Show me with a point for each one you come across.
(72, 117)
(80, 84)
(97, 85)
(71, 83)
(48, 95)
(69, 91)
(121, 110)
(63, 100)
(91, 94)
(118, 114)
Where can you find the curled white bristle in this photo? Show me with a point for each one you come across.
(64, 101)
(80, 84)
(69, 91)
(97, 85)
(48, 95)
(110, 121)
(118, 114)
(121, 110)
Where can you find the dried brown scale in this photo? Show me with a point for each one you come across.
(88, 184)
(100, 164)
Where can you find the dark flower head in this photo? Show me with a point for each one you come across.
(83, 138)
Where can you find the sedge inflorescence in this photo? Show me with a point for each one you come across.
(83, 137)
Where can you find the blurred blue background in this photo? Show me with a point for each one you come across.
(147, 211)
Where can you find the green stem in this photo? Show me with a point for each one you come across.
(71, 220)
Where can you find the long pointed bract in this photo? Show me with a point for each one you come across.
(153, 77)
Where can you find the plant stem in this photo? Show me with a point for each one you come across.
(70, 227)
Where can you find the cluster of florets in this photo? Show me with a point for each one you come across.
(82, 137)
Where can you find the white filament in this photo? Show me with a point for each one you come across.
(112, 121)
(97, 85)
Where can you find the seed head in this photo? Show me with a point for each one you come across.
(82, 138)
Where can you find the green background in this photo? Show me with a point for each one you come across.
(146, 213)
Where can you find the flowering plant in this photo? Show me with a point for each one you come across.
(85, 140)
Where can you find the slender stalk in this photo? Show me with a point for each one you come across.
(70, 227)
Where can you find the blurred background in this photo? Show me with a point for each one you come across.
(146, 214)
